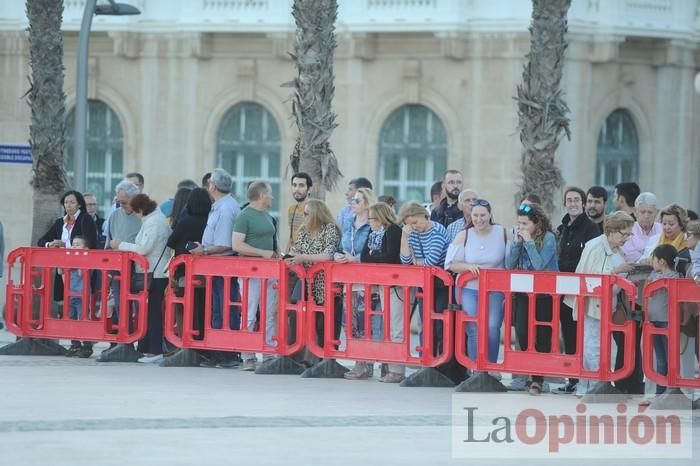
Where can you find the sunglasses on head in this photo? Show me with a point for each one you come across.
(481, 202)
(524, 208)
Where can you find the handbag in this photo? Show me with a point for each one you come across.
(622, 311)
(689, 319)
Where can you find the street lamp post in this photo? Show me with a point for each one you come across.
(80, 152)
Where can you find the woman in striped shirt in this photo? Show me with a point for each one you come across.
(424, 242)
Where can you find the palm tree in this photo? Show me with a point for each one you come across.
(48, 107)
(542, 111)
(314, 90)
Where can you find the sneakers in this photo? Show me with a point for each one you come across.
(568, 389)
(73, 351)
(230, 363)
(535, 388)
(84, 352)
(249, 364)
(392, 377)
(361, 371)
(519, 384)
(151, 359)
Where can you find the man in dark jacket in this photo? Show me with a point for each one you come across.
(448, 211)
(575, 231)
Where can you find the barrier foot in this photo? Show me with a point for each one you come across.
(603, 392)
(33, 347)
(120, 353)
(427, 377)
(280, 365)
(325, 369)
(672, 398)
(481, 382)
(183, 358)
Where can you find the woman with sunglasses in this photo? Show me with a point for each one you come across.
(481, 246)
(355, 233)
(534, 248)
(383, 247)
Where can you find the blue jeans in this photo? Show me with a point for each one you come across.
(76, 308)
(358, 317)
(116, 291)
(661, 353)
(470, 305)
(217, 284)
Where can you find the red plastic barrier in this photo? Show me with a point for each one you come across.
(30, 309)
(339, 277)
(554, 284)
(199, 272)
(679, 291)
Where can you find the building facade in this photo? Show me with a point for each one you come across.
(421, 86)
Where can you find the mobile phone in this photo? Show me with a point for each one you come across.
(190, 245)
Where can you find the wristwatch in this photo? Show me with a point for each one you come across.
(205, 250)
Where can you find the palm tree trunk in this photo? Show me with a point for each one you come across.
(314, 89)
(47, 102)
(542, 111)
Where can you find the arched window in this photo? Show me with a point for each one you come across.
(618, 150)
(412, 153)
(249, 148)
(105, 142)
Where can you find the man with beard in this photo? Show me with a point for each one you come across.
(575, 231)
(301, 184)
(596, 199)
(448, 211)
(624, 197)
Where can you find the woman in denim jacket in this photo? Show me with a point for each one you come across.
(355, 232)
(534, 248)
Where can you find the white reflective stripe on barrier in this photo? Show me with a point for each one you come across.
(568, 285)
(522, 283)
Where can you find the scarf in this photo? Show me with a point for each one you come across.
(678, 242)
(374, 240)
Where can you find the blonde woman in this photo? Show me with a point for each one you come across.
(383, 247)
(317, 240)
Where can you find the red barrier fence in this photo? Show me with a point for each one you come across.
(30, 310)
(556, 285)
(383, 280)
(211, 284)
(683, 299)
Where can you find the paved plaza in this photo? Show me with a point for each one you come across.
(61, 411)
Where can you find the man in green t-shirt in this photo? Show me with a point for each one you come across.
(254, 235)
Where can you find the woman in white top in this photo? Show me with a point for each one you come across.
(151, 241)
(601, 255)
(483, 246)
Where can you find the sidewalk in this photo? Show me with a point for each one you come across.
(76, 412)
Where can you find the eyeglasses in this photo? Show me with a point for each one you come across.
(91, 203)
(356, 200)
(524, 208)
(306, 214)
(371, 218)
(481, 202)
(625, 234)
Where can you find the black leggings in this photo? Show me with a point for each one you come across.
(543, 334)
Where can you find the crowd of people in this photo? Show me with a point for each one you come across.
(457, 232)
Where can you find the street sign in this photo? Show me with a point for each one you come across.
(15, 154)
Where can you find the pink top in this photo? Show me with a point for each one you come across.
(633, 249)
(487, 251)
